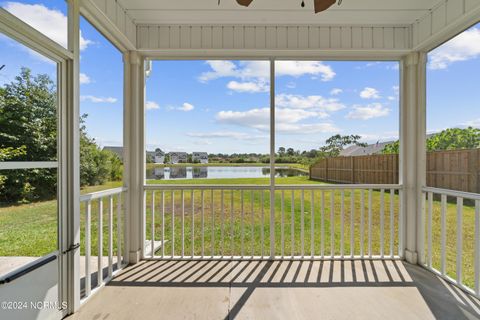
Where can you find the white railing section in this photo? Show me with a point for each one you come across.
(309, 222)
(107, 224)
(451, 242)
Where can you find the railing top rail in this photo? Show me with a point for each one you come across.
(267, 187)
(453, 193)
(101, 194)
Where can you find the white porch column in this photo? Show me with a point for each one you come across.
(413, 150)
(134, 152)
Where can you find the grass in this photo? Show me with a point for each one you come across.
(30, 229)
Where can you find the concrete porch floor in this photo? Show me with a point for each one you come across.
(278, 290)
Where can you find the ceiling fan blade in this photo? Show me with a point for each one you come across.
(322, 5)
(244, 3)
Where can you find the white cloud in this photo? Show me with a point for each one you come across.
(317, 103)
(296, 128)
(151, 105)
(94, 99)
(336, 92)
(226, 135)
(247, 70)
(52, 23)
(475, 123)
(369, 93)
(375, 110)
(84, 79)
(463, 47)
(291, 85)
(186, 107)
(392, 98)
(396, 90)
(250, 87)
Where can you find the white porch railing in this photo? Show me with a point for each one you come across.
(451, 242)
(305, 222)
(109, 238)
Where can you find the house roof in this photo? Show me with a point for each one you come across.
(355, 151)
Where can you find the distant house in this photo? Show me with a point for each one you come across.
(117, 150)
(355, 151)
(159, 156)
(178, 157)
(200, 157)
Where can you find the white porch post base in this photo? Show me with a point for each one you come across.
(134, 257)
(411, 257)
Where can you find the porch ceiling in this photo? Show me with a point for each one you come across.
(278, 12)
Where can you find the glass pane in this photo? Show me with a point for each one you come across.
(208, 122)
(48, 17)
(101, 98)
(28, 104)
(342, 112)
(28, 216)
(453, 113)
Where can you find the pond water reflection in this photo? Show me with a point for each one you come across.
(214, 172)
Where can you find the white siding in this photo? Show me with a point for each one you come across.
(274, 37)
(444, 21)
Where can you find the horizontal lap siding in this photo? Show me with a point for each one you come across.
(273, 37)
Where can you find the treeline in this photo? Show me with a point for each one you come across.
(448, 139)
(28, 132)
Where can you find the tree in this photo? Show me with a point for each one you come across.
(290, 152)
(281, 151)
(28, 122)
(448, 139)
(335, 144)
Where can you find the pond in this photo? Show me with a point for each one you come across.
(177, 173)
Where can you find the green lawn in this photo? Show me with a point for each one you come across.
(30, 229)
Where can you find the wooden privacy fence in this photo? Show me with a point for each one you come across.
(455, 170)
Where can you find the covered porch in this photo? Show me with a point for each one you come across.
(214, 251)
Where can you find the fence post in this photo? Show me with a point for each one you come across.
(353, 170)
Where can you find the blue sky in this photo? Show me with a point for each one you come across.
(222, 106)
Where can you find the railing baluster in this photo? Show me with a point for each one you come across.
(100, 242)
(232, 239)
(352, 223)
(459, 239)
(312, 223)
(213, 223)
(392, 221)
(242, 224)
(401, 224)
(88, 245)
(262, 224)
(125, 232)
(302, 222)
(182, 199)
(192, 198)
(282, 227)
(322, 222)
(153, 225)
(202, 195)
(119, 231)
(163, 224)
(443, 232)
(222, 223)
(342, 223)
(173, 223)
(382, 223)
(332, 224)
(421, 228)
(110, 238)
(370, 223)
(292, 226)
(477, 247)
(252, 199)
(362, 222)
(429, 227)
